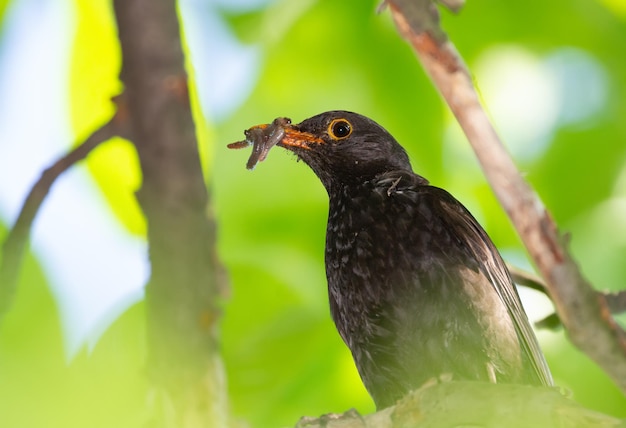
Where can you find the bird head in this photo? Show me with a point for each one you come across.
(344, 148)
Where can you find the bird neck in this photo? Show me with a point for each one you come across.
(388, 181)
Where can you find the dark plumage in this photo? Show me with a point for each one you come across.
(417, 289)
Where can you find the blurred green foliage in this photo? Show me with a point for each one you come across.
(282, 354)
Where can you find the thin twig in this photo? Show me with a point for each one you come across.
(616, 300)
(534, 282)
(584, 313)
(17, 238)
(527, 279)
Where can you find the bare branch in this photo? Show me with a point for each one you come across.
(15, 242)
(527, 279)
(184, 290)
(475, 404)
(585, 314)
(616, 301)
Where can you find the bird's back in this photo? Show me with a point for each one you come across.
(418, 291)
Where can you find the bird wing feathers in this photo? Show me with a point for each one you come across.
(495, 269)
(460, 221)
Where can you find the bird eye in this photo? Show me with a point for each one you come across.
(339, 129)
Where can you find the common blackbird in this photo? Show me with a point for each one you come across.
(417, 289)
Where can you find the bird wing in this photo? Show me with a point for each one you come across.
(481, 248)
(495, 269)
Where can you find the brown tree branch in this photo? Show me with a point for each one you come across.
(584, 313)
(17, 238)
(184, 289)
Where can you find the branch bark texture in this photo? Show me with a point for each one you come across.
(475, 404)
(183, 288)
(584, 313)
(17, 239)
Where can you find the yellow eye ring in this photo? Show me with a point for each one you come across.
(339, 129)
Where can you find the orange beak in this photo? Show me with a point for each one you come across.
(295, 138)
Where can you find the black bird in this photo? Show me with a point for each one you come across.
(417, 289)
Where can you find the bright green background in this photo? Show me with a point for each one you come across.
(283, 356)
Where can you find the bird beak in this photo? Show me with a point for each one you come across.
(296, 138)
